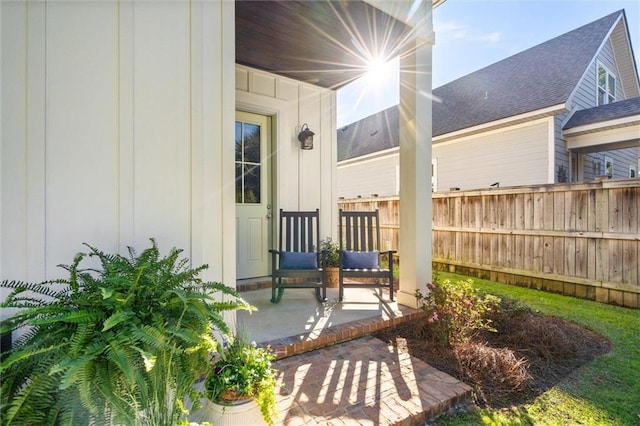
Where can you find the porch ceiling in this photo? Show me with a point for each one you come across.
(325, 42)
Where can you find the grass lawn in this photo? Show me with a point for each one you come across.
(604, 392)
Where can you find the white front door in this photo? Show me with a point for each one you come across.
(253, 200)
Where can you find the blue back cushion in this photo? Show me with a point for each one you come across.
(360, 259)
(298, 260)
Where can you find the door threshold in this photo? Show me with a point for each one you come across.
(257, 283)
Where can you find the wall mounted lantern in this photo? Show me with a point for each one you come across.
(305, 137)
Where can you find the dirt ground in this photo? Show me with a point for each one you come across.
(527, 355)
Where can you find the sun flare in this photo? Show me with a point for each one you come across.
(378, 69)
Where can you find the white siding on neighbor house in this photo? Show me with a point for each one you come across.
(585, 96)
(304, 179)
(114, 122)
(511, 156)
(366, 177)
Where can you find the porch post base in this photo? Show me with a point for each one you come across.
(407, 299)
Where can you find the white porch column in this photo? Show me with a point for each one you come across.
(415, 159)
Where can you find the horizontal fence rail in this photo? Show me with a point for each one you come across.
(579, 239)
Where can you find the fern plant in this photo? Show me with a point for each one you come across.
(123, 343)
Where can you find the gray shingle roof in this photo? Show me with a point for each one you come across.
(620, 109)
(542, 76)
(374, 133)
(539, 77)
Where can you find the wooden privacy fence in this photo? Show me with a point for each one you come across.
(578, 239)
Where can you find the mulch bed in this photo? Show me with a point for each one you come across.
(527, 355)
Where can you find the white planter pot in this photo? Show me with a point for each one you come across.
(238, 414)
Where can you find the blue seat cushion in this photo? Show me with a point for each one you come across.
(298, 260)
(360, 259)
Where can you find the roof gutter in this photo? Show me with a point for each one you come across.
(368, 157)
(602, 125)
(508, 121)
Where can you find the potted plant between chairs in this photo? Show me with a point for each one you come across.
(241, 385)
(330, 251)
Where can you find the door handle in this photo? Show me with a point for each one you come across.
(268, 216)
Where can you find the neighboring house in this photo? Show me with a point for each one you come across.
(565, 110)
(178, 120)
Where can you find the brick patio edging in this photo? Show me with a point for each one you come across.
(295, 345)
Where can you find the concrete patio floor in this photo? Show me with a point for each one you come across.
(301, 316)
(331, 371)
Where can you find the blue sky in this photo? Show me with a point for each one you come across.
(471, 34)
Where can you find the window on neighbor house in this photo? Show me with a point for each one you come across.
(606, 86)
(597, 167)
(633, 172)
(608, 166)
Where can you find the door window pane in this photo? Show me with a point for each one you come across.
(238, 141)
(239, 185)
(251, 184)
(251, 143)
(247, 153)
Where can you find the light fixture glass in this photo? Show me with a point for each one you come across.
(305, 137)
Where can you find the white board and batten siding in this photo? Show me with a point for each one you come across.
(114, 122)
(512, 156)
(304, 179)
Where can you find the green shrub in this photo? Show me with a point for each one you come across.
(123, 343)
(331, 251)
(455, 311)
(384, 263)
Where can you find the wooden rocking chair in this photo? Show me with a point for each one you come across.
(360, 252)
(298, 262)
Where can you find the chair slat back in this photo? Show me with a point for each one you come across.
(359, 230)
(299, 231)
